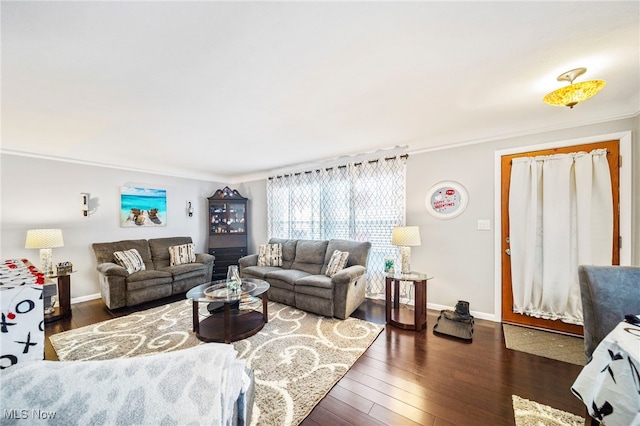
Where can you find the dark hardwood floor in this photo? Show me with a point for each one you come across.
(417, 378)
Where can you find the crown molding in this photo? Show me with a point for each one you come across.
(529, 132)
(173, 173)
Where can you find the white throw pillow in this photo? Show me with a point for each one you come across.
(182, 254)
(270, 255)
(130, 260)
(337, 262)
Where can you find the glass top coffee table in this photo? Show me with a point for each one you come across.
(229, 321)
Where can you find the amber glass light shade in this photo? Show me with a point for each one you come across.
(574, 93)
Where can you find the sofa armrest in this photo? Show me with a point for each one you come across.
(205, 258)
(348, 275)
(348, 290)
(110, 269)
(249, 260)
(113, 287)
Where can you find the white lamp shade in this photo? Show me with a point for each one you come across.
(44, 238)
(406, 236)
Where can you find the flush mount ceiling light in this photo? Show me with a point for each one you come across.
(574, 93)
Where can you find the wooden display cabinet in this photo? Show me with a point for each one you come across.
(227, 229)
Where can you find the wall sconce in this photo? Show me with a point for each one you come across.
(189, 209)
(85, 203)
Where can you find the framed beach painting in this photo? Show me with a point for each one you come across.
(142, 207)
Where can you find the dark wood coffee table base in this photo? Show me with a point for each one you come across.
(213, 329)
(229, 325)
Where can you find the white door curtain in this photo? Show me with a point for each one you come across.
(560, 216)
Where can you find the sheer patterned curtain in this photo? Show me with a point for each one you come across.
(560, 216)
(361, 200)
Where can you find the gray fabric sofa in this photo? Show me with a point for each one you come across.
(608, 293)
(301, 280)
(204, 384)
(157, 280)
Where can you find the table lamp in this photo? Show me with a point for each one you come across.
(406, 237)
(45, 240)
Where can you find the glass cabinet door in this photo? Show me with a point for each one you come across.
(218, 216)
(236, 218)
(227, 218)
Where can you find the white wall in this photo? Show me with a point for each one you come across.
(461, 257)
(39, 193)
(256, 192)
(42, 193)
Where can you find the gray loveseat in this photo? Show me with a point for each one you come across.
(608, 293)
(301, 280)
(157, 280)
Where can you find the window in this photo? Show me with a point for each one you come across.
(359, 201)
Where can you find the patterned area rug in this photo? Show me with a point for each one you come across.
(530, 413)
(543, 343)
(297, 357)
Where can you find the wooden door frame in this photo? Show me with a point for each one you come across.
(612, 158)
(625, 201)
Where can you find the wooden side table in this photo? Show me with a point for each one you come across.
(64, 299)
(402, 318)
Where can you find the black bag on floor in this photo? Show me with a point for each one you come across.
(458, 323)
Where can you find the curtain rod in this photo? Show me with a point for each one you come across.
(606, 151)
(306, 172)
(339, 161)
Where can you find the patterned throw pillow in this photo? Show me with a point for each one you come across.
(337, 262)
(130, 260)
(182, 254)
(270, 255)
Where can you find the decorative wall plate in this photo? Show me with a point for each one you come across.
(446, 199)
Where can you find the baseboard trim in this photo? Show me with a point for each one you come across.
(85, 298)
(477, 315)
(436, 307)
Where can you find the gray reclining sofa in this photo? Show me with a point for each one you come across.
(301, 280)
(159, 279)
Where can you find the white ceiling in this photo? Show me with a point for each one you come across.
(229, 91)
